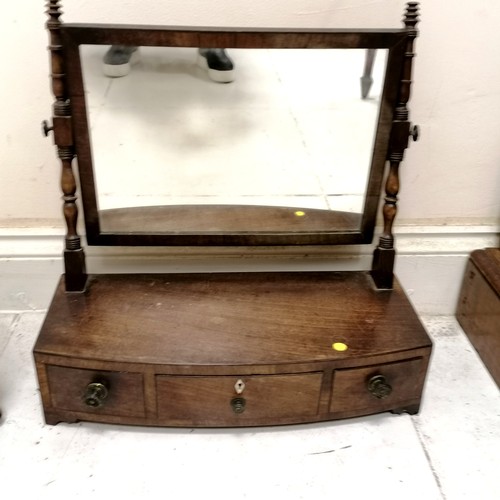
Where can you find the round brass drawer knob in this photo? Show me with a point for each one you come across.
(95, 394)
(378, 387)
(238, 405)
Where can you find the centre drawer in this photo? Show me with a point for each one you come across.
(232, 398)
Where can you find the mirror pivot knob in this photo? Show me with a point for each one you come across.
(46, 128)
(415, 132)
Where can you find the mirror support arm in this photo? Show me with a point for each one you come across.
(384, 255)
(74, 256)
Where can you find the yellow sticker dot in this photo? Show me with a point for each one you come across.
(339, 346)
(299, 213)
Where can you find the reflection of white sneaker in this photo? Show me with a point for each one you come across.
(118, 60)
(218, 63)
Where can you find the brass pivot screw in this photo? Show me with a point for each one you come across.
(46, 128)
(415, 133)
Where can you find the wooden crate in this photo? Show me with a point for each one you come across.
(479, 307)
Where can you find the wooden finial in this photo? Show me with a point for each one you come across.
(411, 15)
(54, 12)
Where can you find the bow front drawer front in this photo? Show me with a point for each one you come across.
(233, 399)
(377, 388)
(97, 392)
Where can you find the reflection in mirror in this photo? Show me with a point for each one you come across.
(292, 131)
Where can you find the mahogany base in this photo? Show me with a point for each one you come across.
(230, 349)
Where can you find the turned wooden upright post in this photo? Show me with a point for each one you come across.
(383, 257)
(74, 257)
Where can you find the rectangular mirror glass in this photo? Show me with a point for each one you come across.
(292, 131)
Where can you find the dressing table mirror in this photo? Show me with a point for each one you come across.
(294, 153)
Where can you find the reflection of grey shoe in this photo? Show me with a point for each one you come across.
(218, 63)
(118, 60)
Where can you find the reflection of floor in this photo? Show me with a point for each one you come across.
(292, 129)
(217, 218)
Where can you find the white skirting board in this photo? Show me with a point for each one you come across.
(430, 262)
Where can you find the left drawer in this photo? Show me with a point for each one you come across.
(92, 391)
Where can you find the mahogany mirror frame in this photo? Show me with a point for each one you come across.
(74, 35)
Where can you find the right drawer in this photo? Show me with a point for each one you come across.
(376, 388)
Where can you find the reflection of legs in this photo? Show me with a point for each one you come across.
(218, 63)
(366, 79)
(119, 58)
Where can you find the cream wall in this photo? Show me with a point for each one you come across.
(452, 176)
(449, 204)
